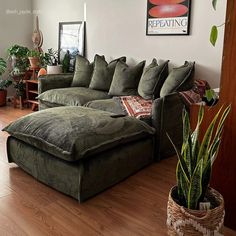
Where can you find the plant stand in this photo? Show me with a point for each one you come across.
(17, 101)
(32, 93)
(183, 221)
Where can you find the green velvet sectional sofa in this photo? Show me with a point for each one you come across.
(85, 142)
(84, 88)
(166, 111)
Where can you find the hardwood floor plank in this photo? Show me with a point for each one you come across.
(136, 206)
(8, 227)
(4, 191)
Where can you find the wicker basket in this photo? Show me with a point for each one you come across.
(183, 221)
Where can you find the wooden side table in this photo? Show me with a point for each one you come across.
(31, 74)
(32, 93)
(34, 72)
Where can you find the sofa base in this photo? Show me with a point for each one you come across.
(84, 178)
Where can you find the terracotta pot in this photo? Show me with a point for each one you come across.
(183, 221)
(34, 62)
(54, 69)
(3, 97)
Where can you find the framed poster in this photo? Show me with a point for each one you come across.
(168, 17)
(71, 41)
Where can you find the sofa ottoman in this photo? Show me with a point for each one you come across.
(79, 151)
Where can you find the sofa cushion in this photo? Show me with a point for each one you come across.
(179, 79)
(152, 79)
(112, 105)
(83, 72)
(73, 96)
(72, 133)
(119, 106)
(103, 73)
(126, 78)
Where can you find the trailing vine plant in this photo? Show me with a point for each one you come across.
(214, 28)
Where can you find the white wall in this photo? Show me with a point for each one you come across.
(15, 24)
(116, 28)
(119, 28)
(51, 12)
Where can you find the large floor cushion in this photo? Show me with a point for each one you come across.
(73, 96)
(79, 151)
(73, 133)
(86, 177)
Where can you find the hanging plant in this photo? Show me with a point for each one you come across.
(214, 28)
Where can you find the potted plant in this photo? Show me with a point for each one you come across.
(66, 62)
(19, 60)
(193, 207)
(4, 83)
(34, 58)
(210, 97)
(50, 59)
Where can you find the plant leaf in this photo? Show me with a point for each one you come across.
(183, 185)
(187, 142)
(206, 176)
(210, 94)
(214, 2)
(195, 135)
(214, 35)
(179, 183)
(195, 188)
(186, 126)
(204, 148)
(214, 150)
(222, 121)
(182, 161)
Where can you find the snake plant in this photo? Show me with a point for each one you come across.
(196, 158)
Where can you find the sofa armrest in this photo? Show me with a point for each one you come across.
(53, 81)
(167, 118)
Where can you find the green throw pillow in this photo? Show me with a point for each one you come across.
(152, 80)
(179, 79)
(125, 80)
(103, 73)
(83, 72)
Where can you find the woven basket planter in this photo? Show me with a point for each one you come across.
(183, 221)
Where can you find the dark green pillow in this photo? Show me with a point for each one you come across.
(103, 73)
(83, 72)
(125, 80)
(152, 79)
(179, 79)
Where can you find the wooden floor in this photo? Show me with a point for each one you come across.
(137, 206)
